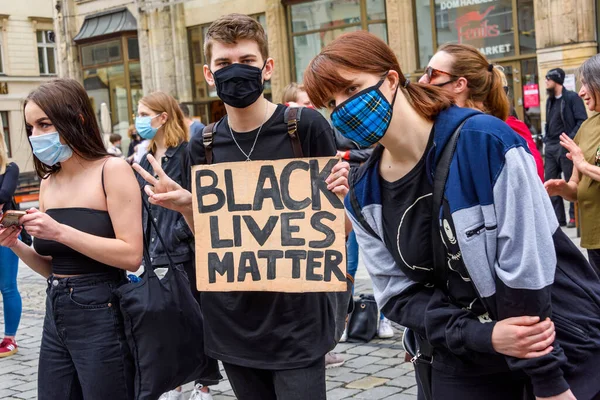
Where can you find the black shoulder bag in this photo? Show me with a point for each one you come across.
(162, 311)
(415, 345)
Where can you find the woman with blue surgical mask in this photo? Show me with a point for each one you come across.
(503, 304)
(88, 234)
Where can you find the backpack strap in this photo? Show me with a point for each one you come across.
(207, 141)
(291, 117)
(442, 170)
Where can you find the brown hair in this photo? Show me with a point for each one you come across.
(290, 93)
(485, 86)
(68, 106)
(131, 131)
(3, 154)
(230, 29)
(175, 129)
(365, 52)
(114, 138)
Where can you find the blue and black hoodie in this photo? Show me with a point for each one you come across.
(518, 260)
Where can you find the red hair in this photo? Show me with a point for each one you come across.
(362, 51)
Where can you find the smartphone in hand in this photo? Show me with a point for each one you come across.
(11, 218)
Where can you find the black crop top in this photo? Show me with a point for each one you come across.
(65, 260)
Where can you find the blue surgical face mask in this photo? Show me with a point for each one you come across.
(49, 150)
(143, 125)
(365, 117)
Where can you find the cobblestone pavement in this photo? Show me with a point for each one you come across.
(375, 370)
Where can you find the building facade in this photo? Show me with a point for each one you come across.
(27, 58)
(121, 49)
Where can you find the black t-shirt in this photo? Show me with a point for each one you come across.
(407, 217)
(555, 123)
(267, 330)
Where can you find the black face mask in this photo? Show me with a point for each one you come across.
(239, 85)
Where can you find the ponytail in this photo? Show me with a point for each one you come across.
(486, 89)
(427, 100)
(497, 103)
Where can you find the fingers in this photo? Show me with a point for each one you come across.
(536, 354)
(523, 321)
(543, 344)
(343, 190)
(341, 165)
(157, 168)
(145, 174)
(149, 191)
(341, 181)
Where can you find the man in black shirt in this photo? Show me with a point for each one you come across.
(272, 345)
(565, 112)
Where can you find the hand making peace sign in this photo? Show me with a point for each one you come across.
(164, 191)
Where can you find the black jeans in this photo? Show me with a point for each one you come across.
(556, 164)
(504, 386)
(293, 384)
(84, 354)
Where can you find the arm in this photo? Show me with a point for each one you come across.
(9, 184)
(40, 264)
(123, 201)
(579, 114)
(526, 261)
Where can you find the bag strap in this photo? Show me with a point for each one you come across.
(442, 170)
(149, 226)
(291, 117)
(207, 141)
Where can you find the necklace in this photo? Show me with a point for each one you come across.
(255, 139)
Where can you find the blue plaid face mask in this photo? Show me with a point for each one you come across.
(365, 117)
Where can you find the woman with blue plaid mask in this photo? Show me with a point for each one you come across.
(478, 277)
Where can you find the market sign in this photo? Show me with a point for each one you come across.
(485, 24)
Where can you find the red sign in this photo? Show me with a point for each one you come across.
(482, 29)
(531, 96)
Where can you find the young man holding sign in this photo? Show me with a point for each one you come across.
(272, 344)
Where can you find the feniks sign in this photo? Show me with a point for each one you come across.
(451, 4)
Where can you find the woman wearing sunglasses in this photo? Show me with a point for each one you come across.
(475, 83)
(488, 319)
(584, 151)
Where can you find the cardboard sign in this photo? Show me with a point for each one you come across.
(531, 95)
(268, 226)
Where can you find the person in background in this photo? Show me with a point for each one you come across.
(88, 232)
(584, 151)
(194, 127)
(115, 145)
(135, 139)
(457, 68)
(9, 262)
(505, 267)
(160, 120)
(565, 113)
(294, 95)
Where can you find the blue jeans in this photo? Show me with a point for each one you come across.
(84, 353)
(9, 266)
(352, 258)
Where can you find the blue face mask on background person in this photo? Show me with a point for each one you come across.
(143, 125)
(49, 150)
(365, 117)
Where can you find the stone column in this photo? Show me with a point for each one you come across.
(565, 36)
(278, 47)
(164, 52)
(65, 29)
(401, 33)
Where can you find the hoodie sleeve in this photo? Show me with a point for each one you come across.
(424, 309)
(525, 258)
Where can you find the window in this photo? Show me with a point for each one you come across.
(1, 56)
(315, 24)
(46, 52)
(112, 76)
(6, 131)
(207, 105)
